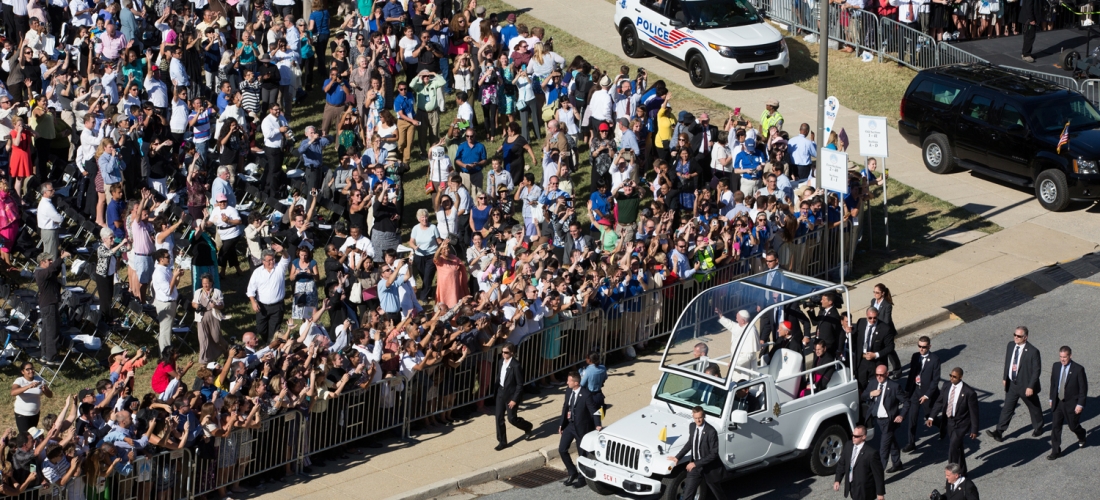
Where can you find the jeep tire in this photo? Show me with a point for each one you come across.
(671, 487)
(1051, 190)
(825, 451)
(938, 156)
(698, 71)
(632, 45)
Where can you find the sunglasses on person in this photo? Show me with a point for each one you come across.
(923, 347)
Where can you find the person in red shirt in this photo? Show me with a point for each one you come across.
(166, 379)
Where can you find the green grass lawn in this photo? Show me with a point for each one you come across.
(914, 214)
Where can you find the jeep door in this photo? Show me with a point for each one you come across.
(1009, 147)
(973, 128)
(749, 443)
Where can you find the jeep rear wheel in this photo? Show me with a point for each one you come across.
(632, 46)
(672, 487)
(698, 71)
(1052, 190)
(826, 450)
(938, 156)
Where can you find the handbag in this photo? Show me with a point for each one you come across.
(356, 294)
(429, 186)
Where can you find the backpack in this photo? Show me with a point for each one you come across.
(581, 87)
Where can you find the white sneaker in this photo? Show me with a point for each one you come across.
(811, 38)
(630, 352)
(1087, 22)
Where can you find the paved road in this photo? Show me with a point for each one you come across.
(1000, 470)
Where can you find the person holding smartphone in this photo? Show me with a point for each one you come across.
(28, 390)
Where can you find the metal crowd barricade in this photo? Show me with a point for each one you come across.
(796, 14)
(441, 388)
(277, 442)
(164, 476)
(1066, 81)
(854, 27)
(357, 414)
(906, 45)
(949, 54)
(1091, 90)
(561, 346)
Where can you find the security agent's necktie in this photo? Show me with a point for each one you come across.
(1062, 383)
(572, 404)
(1015, 364)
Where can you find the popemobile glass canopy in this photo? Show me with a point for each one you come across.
(712, 318)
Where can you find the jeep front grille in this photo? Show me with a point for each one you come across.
(623, 455)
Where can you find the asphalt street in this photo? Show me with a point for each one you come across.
(1014, 469)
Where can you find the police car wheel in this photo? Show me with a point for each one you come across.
(632, 46)
(698, 71)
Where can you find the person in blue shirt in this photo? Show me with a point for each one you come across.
(336, 93)
(598, 205)
(311, 149)
(223, 96)
(394, 14)
(471, 158)
(319, 26)
(750, 164)
(404, 105)
(806, 220)
(508, 31)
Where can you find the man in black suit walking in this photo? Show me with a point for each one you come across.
(580, 414)
(958, 404)
(704, 466)
(958, 487)
(885, 405)
(509, 390)
(860, 469)
(828, 323)
(1068, 389)
(1021, 381)
(872, 343)
(922, 386)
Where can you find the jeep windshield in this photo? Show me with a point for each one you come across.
(687, 393)
(1051, 118)
(710, 14)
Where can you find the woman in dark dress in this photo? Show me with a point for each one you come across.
(512, 150)
(358, 204)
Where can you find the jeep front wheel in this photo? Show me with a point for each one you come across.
(1052, 190)
(938, 156)
(826, 450)
(672, 487)
(632, 46)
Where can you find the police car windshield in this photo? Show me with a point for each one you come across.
(1052, 117)
(708, 14)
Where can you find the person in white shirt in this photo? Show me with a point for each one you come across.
(155, 89)
(49, 220)
(359, 242)
(274, 128)
(165, 295)
(601, 105)
(228, 222)
(266, 291)
(176, 71)
(746, 357)
(82, 13)
(293, 36)
(285, 59)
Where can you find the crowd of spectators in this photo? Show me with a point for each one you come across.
(169, 114)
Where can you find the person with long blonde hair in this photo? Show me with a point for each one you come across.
(19, 166)
(108, 174)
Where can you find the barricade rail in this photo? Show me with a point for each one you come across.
(282, 443)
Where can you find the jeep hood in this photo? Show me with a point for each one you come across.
(643, 427)
(741, 36)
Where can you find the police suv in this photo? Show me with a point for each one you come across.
(717, 41)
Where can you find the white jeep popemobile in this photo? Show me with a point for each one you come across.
(788, 417)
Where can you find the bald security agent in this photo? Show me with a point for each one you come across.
(1068, 389)
(1021, 382)
(958, 404)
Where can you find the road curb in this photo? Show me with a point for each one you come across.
(941, 316)
(509, 468)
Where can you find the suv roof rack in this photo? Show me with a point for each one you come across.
(1001, 79)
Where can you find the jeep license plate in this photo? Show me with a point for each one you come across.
(608, 478)
(761, 68)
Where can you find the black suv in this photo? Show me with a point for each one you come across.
(1005, 125)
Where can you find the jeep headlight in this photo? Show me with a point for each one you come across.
(782, 45)
(603, 441)
(722, 50)
(648, 456)
(1087, 167)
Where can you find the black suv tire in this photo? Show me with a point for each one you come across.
(632, 45)
(699, 71)
(825, 452)
(938, 156)
(1051, 190)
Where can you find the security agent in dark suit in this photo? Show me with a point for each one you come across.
(872, 343)
(884, 302)
(958, 404)
(745, 400)
(885, 409)
(828, 322)
(958, 487)
(704, 466)
(860, 469)
(580, 414)
(922, 386)
(509, 390)
(1021, 381)
(1068, 389)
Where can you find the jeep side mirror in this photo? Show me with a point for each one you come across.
(739, 417)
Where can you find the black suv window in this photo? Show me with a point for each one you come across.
(1053, 116)
(978, 108)
(937, 92)
(1011, 117)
